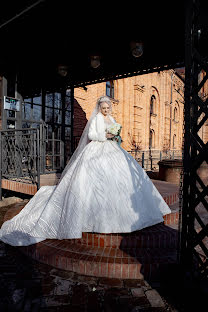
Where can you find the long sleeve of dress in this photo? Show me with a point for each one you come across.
(97, 130)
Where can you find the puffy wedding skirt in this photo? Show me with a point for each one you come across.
(105, 190)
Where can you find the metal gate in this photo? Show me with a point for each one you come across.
(20, 156)
(27, 153)
(194, 204)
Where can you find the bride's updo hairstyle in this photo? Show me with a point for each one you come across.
(104, 99)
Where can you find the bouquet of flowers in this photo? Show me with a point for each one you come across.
(115, 129)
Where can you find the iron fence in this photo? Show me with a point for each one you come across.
(20, 156)
(149, 159)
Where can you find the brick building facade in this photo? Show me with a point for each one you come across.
(149, 107)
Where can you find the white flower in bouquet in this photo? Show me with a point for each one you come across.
(114, 129)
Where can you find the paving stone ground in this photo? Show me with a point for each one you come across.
(29, 286)
(26, 285)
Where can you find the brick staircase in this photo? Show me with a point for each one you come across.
(123, 255)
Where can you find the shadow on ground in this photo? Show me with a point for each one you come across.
(180, 290)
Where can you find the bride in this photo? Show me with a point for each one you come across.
(102, 189)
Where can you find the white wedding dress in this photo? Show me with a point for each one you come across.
(105, 190)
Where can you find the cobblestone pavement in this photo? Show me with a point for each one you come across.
(29, 286)
(26, 285)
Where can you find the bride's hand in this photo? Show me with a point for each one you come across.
(109, 135)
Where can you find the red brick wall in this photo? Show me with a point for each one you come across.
(131, 108)
(80, 119)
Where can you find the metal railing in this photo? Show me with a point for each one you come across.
(51, 151)
(149, 159)
(20, 156)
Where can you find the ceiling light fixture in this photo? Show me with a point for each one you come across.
(136, 48)
(95, 61)
(62, 70)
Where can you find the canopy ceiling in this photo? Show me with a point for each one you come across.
(49, 33)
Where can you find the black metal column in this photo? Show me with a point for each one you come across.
(193, 243)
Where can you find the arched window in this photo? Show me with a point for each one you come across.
(152, 104)
(110, 89)
(174, 141)
(175, 114)
(151, 139)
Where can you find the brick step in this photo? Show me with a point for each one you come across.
(157, 236)
(171, 198)
(100, 261)
(85, 260)
(173, 217)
